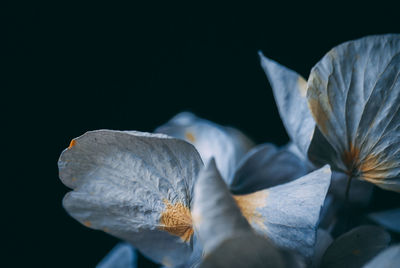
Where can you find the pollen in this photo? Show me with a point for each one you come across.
(87, 223)
(177, 220)
(72, 144)
(370, 167)
(190, 137)
(248, 205)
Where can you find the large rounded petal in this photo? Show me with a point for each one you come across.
(136, 186)
(227, 145)
(354, 97)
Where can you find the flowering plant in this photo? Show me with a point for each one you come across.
(197, 194)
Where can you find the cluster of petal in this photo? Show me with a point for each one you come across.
(253, 206)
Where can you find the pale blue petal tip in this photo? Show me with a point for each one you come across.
(123, 255)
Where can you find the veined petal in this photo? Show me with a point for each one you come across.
(354, 97)
(267, 166)
(135, 186)
(227, 145)
(122, 255)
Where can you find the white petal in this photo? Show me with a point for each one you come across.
(136, 186)
(216, 217)
(288, 214)
(227, 145)
(354, 97)
(290, 95)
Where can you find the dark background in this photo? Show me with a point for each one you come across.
(74, 67)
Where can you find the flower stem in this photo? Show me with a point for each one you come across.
(346, 195)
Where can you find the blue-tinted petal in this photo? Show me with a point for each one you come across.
(356, 247)
(227, 145)
(134, 186)
(324, 239)
(354, 97)
(290, 91)
(123, 255)
(266, 166)
(288, 214)
(390, 219)
(388, 258)
(216, 217)
(250, 250)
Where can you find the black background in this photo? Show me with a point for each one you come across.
(74, 67)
